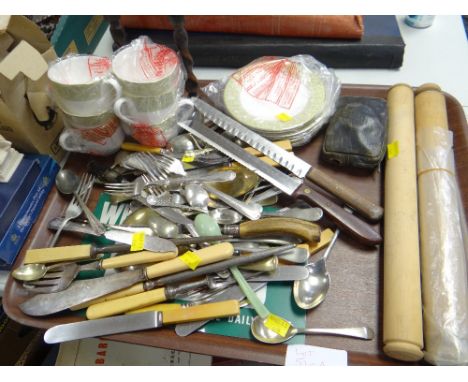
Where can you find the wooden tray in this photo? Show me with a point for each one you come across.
(355, 296)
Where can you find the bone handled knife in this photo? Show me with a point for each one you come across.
(291, 185)
(139, 321)
(296, 165)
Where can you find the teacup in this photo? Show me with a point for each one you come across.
(146, 69)
(97, 135)
(82, 85)
(151, 77)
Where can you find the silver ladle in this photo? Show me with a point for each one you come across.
(311, 292)
(268, 336)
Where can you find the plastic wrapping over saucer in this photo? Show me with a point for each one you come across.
(279, 97)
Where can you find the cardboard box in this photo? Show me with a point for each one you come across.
(78, 34)
(28, 118)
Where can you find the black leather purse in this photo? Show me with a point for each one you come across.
(357, 133)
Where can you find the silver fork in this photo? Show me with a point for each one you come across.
(133, 188)
(73, 209)
(137, 186)
(164, 162)
(59, 277)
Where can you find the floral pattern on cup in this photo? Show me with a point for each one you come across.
(102, 139)
(83, 85)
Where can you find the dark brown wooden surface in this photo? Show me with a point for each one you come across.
(355, 296)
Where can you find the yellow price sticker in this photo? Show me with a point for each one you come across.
(191, 259)
(277, 324)
(283, 117)
(187, 158)
(138, 242)
(393, 149)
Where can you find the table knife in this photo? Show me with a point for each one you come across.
(113, 232)
(233, 292)
(138, 321)
(296, 165)
(81, 291)
(291, 185)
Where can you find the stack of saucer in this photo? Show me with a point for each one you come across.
(282, 98)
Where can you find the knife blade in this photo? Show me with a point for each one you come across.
(296, 165)
(138, 321)
(291, 185)
(82, 291)
(150, 243)
(113, 232)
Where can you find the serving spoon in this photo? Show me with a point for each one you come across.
(268, 336)
(312, 291)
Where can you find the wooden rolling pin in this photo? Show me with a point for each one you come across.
(402, 321)
(443, 234)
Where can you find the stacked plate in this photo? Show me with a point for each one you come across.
(282, 98)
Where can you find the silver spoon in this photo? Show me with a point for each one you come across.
(311, 292)
(196, 195)
(268, 336)
(67, 183)
(252, 211)
(311, 214)
(226, 216)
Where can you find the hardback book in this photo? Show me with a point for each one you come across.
(320, 26)
(381, 46)
(28, 207)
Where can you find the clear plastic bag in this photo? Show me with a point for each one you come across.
(152, 78)
(443, 250)
(278, 97)
(82, 85)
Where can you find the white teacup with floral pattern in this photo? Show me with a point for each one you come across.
(98, 135)
(82, 85)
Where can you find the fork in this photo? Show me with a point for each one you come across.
(59, 277)
(164, 163)
(73, 209)
(136, 187)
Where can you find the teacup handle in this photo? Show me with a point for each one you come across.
(68, 142)
(113, 83)
(118, 110)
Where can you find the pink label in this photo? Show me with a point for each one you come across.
(276, 81)
(156, 60)
(98, 66)
(148, 135)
